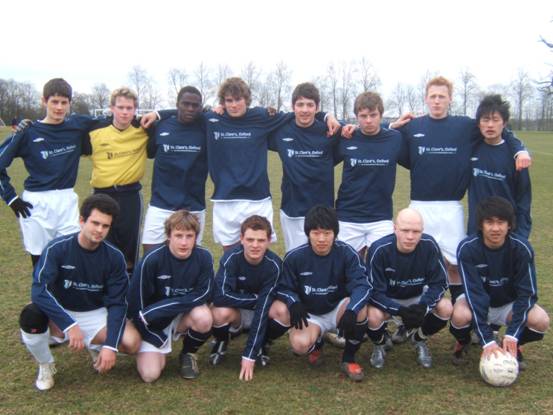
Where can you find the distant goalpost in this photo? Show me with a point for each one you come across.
(98, 112)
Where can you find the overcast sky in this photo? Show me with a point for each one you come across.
(89, 42)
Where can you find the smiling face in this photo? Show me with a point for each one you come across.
(494, 231)
(305, 110)
(57, 107)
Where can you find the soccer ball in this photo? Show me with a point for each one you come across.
(499, 369)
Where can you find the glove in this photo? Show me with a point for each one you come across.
(346, 325)
(298, 316)
(409, 318)
(21, 208)
(419, 313)
(24, 123)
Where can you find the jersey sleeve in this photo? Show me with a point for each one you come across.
(8, 151)
(523, 200)
(403, 156)
(258, 326)
(45, 275)
(514, 143)
(358, 285)
(436, 278)
(525, 287)
(377, 276)
(226, 281)
(115, 300)
(288, 287)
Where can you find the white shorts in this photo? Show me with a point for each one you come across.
(229, 215)
(360, 235)
(246, 318)
(293, 231)
(327, 321)
(90, 323)
(172, 335)
(154, 225)
(443, 220)
(54, 213)
(500, 315)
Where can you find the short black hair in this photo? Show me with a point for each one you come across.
(306, 90)
(495, 206)
(493, 103)
(102, 202)
(190, 90)
(321, 217)
(57, 86)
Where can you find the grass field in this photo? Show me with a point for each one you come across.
(288, 385)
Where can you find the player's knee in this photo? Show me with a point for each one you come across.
(279, 311)
(461, 315)
(221, 315)
(150, 373)
(444, 309)
(300, 344)
(202, 319)
(130, 343)
(375, 316)
(538, 319)
(32, 320)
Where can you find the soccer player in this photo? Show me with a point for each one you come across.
(79, 295)
(493, 173)
(499, 280)
(437, 151)
(118, 154)
(244, 291)
(308, 157)
(168, 298)
(324, 287)
(50, 149)
(364, 203)
(180, 168)
(409, 279)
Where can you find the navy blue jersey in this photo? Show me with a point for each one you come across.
(495, 277)
(308, 159)
(321, 282)
(239, 284)
(397, 275)
(368, 177)
(438, 151)
(69, 277)
(237, 153)
(50, 153)
(494, 174)
(180, 165)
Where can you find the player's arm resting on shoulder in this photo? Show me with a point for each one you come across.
(246, 369)
(401, 121)
(348, 130)
(220, 110)
(106, 360)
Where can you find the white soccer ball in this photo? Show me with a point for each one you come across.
(499, 369)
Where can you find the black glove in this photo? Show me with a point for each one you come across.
(419, 313)
(298, 316)
(408, 318)
(24, 123)
(346, 325)
(21, 208)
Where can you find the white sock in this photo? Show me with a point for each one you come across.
(37, 344)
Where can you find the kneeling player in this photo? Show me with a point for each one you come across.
(409, 280)
(244, 292)
(167, 298)
(499, 280)
(78, 293)
(324, 287)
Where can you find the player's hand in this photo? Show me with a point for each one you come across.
(23, 124)
(148, 119)
(419, 313)
(492, 348)
(106, 360)
(272, 111)
(523, 160)
(346, 325)
(401, 121)
(298, 316)
(218, 109)
(246, 369)
(348, 130)
(332, 125)
(21, 208)
(410, 317)
(76, 338)
(510, 345)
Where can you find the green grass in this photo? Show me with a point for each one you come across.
(288, 385)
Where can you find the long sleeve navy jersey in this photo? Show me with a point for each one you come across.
(50, 153)
(69, 277)
(495, 277)
(368, 176)
(308, 159)
(239, 284)
(437, 152)
(494, 174)
(397, 275)
(321, 282)
(180, 165)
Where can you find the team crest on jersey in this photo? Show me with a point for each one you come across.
(291, 153)
(353, 162)
(67, 284)
(38, 140)
(476, 172)
(216, 135)
(44, 154)
(422, 149)
(418, 135)
(110, 155)
(164, 134)
(166, 148)
(288, 139)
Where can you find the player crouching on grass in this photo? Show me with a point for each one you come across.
(78, 295)
(499, 281)
(409, 279)
(244, 291)
(324, 287)
(168, 298)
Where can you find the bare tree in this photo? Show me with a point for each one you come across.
(223, 72)
(324, 90)
(332, 77)
(422, 87)
(522, 91)
(264, 94)
(347, 89)
(81, 103)
(281, 84)
(251, 74)
(412, 99)
(368, 77)
(139, 80)
(203, 81)
(468, 90)
(177, 79)
(151, 97)
(398, 98)
(99, 97)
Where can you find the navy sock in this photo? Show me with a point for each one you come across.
(432, 324)
(221, 334)
(275, 330)
(377, 335)
(193, 341)
(529, 335)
